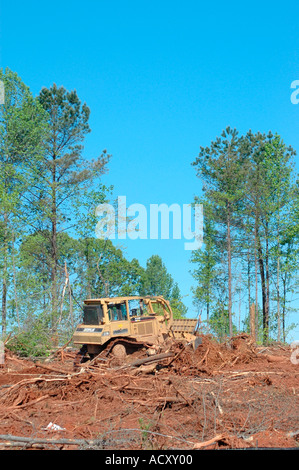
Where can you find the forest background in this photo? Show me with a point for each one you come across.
(181, 125)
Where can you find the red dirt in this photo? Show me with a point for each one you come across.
(228, 396)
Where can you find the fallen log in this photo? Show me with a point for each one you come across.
(160, 400)
(215, 439)
(204, 358)
(24, 405)
(155, 358)
(52, 369)
(271, 358)
(29, 403)
(30, 440)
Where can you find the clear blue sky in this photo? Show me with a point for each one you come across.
(161, 79)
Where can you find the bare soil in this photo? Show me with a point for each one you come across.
(222, 396)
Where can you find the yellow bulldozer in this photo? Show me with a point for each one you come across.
(118, 326)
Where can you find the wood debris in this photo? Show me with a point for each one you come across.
(222, 395)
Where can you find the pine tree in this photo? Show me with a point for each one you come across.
(207, 264)
(65, 172)
(157, 280)
(268, 191)
(223, 166)
(178, 307)
(22, 130)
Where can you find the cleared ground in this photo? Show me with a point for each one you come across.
(234, 395)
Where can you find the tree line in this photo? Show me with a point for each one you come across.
(50, 260)
(250, 253)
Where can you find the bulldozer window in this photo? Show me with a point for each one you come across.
(117, 312)
(92, 314)
(137, 308)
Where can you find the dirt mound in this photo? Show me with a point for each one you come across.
(211, 355)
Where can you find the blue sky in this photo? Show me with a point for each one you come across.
(161, 79)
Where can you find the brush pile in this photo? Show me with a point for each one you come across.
(230, 395)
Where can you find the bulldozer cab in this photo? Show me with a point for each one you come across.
(92, 314)
(137, 308)
(117, 312)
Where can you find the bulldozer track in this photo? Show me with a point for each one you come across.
(124, 341)
(106, 352)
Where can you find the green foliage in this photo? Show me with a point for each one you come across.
(103, 270)
(156, 280)
(22, 131)
(33, 341)
(146, 427)
(178, 308)
(249, 190)
(206, 261)
(64, 175)
(50, 259)
(219, 322)
(223, 167)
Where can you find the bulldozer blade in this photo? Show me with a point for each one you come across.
(196, 342)
(184, 325)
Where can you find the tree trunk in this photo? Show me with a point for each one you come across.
(267, 312)
(229, 272)
(264, 293)
(54, 255)
(278, 287)
(248, 279)
(252, 321)
(4, 298)
(15, 281)
(4, 280)
(208, 302)
(208, 315)
(284, 283)
(54, 273)
(256, 284)
(278, 303)
(88, 270)
(71, 305)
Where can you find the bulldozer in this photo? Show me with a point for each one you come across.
(118, 326)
